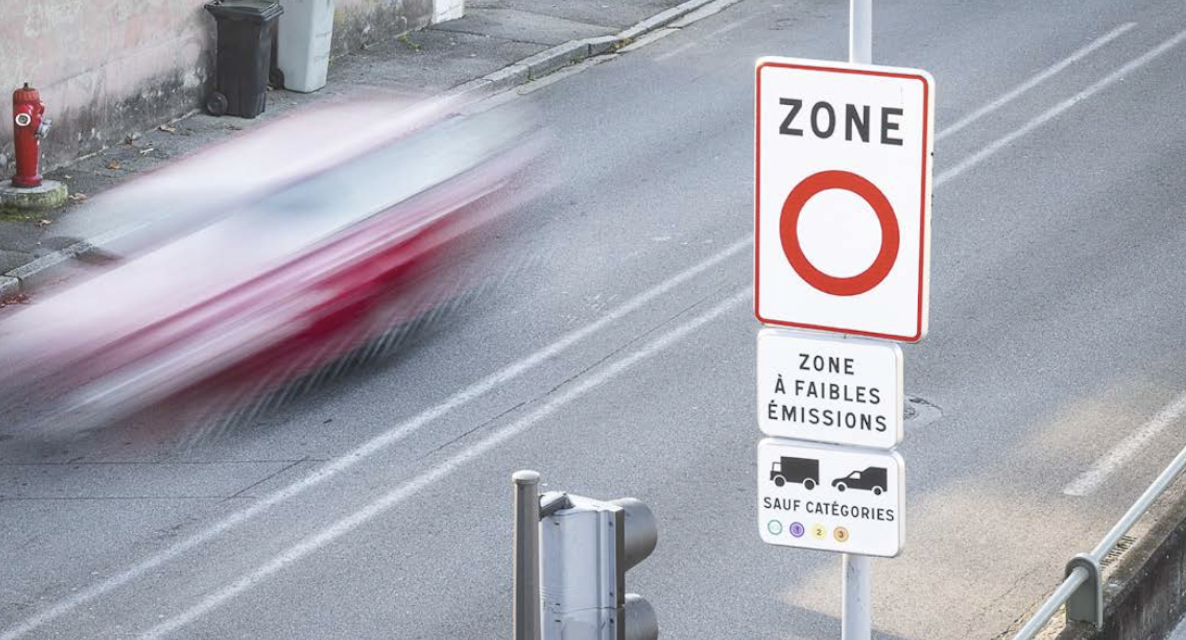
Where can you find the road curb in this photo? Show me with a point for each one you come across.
(9, 288)
(531, 68)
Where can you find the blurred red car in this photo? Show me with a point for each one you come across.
(258, 268)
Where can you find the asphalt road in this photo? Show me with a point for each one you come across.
(618, 360)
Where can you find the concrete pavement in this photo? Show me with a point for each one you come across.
(620, 361)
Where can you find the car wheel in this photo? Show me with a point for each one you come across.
(809, 484)
(779, 481)
(840, 487)
(877, 491)
(217, 103)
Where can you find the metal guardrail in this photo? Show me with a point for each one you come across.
(1082, 590)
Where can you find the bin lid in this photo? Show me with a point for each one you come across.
(254, 10)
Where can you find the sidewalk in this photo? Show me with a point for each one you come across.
(497, 45)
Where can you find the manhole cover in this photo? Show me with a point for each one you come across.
(920, 413)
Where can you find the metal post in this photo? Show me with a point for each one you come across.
(860, 32)
(857, 611)
(857, 608)
(526, 615)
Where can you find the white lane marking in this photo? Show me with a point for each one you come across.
(437, 473)
(1035, 80)
(727, 28)
(386, 439)
(1061, 108)
(369, 448)
(1091, 480)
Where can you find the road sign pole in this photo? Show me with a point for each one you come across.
(526, 613)
(857, 610)
(860, 32)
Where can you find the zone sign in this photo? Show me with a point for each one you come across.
(843, 197)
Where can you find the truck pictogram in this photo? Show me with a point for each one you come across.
(804, 471)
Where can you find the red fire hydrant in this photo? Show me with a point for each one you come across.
(30, 125)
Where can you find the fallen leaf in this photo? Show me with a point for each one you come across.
(147, 151)
(167, 128)
(77, 197)
(114, 164)
(44, 223)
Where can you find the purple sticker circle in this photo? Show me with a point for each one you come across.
(797, 530)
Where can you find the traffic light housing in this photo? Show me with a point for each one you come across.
(586, 547)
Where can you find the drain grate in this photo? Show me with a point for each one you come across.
(1124, 544)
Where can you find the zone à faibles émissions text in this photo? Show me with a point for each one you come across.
(828, 417)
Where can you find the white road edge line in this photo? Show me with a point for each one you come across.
(426, 479)
(648, 39)
(372, 446)
(688, 45)
(1046, 74)
(676, 51)
(405, 429)
(1091, 480)
(1061, 107)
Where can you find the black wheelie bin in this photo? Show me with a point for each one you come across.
(245, 32)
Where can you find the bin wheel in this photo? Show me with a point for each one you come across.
(276, 78)
(217, 104)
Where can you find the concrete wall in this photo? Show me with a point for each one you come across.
(357, 22)
(110, 68)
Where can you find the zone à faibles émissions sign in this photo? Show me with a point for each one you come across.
(839, 391)
(843, 197)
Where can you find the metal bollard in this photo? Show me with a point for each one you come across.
(526, 615)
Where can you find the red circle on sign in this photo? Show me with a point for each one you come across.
(789, 232)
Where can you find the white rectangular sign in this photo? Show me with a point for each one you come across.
(834, 390)
(831, 498)
(843, 197)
